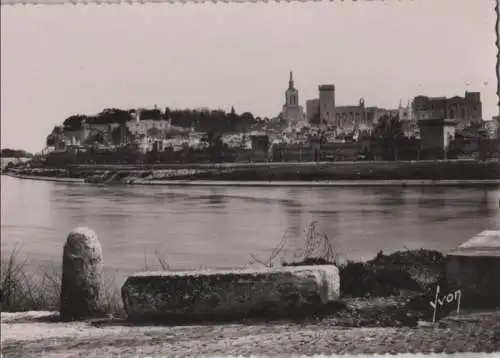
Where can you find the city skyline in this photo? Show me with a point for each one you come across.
(51, 71)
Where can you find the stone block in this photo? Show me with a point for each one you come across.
(230, 294)
(82, 289)
(474, 269)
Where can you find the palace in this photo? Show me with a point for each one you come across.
(465, 110)
(324, 113)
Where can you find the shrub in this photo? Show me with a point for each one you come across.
(319, 249)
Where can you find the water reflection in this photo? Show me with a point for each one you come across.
(216, 199)
(432, 197)
(295, 215)
(390, 196)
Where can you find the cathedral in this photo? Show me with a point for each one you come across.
(292, 112)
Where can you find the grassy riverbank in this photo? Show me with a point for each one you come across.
(373, 293)
(274, 172)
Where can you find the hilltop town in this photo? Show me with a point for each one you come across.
(424, 128)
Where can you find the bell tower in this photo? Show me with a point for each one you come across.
(292, 112)
(291, 94)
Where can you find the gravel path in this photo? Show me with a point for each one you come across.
(24, 336)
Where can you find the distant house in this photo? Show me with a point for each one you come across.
(76, 136)
(141, 125)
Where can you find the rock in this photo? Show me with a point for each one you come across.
(231, 294)
(82, 289)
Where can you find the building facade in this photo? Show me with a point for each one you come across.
(312, 111)
(351, 118)
(140, 127)
(324, 113)
(492, 127)
(465, 110)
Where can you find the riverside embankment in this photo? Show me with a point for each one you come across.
(444, 172)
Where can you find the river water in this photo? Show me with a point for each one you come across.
(221, 227)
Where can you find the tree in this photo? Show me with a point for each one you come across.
(15, 153)
(75, 122)
(55, 138)
(389, 133)
(154, 114)
(247, 116)
(111, 115)
(50, 141)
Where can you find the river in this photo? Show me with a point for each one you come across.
(221, 227)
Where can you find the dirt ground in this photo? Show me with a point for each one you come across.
(34, 334)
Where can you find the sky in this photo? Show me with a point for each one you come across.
(60, 60)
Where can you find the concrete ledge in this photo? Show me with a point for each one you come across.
(474, 268)
(230, 294)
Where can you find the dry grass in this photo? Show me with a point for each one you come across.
(20, 291)
(318, 248)
(23, 292)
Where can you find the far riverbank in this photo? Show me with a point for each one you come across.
(409, 173)
(219, 183)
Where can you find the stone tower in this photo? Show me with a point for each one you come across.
(326, 103)
(292, 112)
(291, 94)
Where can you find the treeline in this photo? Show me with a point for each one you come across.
(202, 120)
(15, 153)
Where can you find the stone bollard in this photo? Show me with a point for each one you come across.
(82, 289)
